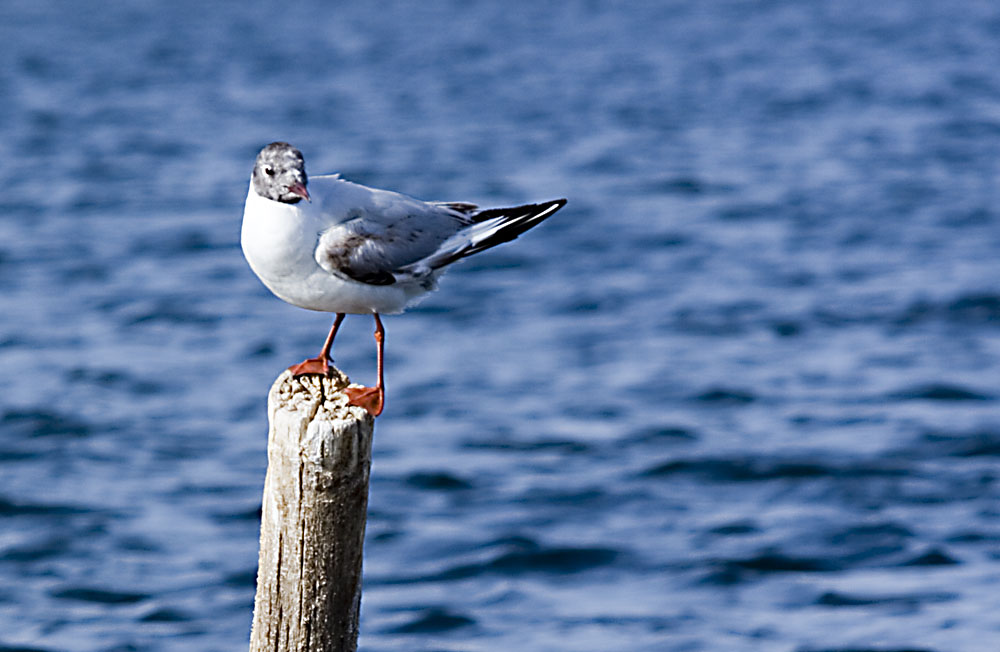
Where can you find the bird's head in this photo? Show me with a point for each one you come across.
(280, 174)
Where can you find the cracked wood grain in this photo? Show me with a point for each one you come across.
(313, 520)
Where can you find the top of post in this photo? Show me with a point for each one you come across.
(322, 397)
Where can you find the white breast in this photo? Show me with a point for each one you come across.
(279, 242)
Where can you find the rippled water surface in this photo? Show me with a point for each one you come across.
(740, 394)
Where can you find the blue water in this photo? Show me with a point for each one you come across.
(740, 394)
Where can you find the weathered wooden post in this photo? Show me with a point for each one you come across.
(313, 524)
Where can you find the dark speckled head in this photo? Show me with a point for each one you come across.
(280, 174)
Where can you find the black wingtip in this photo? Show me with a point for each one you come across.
(552, 205)
(548, 205)
(535, 212)
(518, 219)
(559, 203)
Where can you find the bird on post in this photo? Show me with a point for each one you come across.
(326, 244)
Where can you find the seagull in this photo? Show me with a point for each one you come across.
(326, 244)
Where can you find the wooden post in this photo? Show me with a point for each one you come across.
(313, 524)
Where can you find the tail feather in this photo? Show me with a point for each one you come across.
(492, 227)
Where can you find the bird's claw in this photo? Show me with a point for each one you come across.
(369, 398)
(318, 365)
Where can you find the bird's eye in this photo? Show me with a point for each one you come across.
(269, 171)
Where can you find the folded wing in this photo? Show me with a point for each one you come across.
(411, 241)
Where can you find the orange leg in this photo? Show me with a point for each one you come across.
(321, 363)
(372, 398)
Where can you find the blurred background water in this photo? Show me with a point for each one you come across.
(740, 394)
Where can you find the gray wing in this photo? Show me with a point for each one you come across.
(382, 237)
(374, 247)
